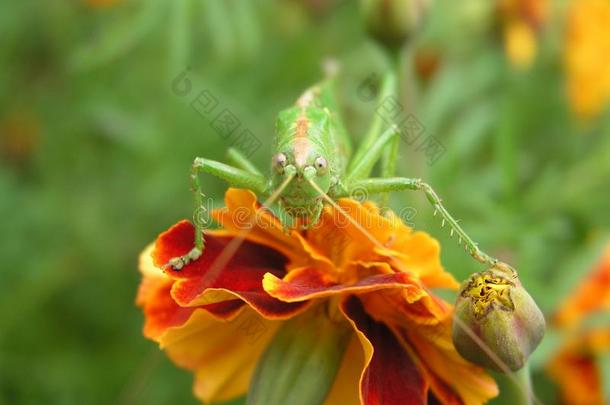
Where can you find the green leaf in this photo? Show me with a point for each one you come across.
(301, 363)
(118, 38)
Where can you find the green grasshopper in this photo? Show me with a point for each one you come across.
(313, 162)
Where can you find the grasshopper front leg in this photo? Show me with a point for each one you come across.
(383, 185)
(235, 177)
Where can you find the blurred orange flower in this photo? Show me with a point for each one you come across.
(576, 371)
(575, 367)
(427, 63)
(593, 295)
(401, 349)
(521, 20)
(19, 137)
(587, 56)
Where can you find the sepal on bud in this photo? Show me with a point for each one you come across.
(494, 307)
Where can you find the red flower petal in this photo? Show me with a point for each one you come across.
(390, 376)
(224, 309)
(305, 284)
(207, 281)
(162, 312)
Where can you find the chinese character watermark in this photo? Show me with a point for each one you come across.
(392, 112)
(222, 120)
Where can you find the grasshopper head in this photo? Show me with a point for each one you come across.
(300, 198)
(304, 145)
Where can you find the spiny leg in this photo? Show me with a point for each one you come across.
(235, 177)
(239, 160)
(383, 185)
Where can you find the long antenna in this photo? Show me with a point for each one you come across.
(493, 356)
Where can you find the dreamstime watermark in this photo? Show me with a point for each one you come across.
(222, 120)
(244, 218)
(392, 112)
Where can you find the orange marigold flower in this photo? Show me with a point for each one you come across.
(575, 367)
(587, 56)
(401, 349)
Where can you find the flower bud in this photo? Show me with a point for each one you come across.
(392, 22)
(498, 323)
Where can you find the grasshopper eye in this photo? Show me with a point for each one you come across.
(321, 165)
(279, 162)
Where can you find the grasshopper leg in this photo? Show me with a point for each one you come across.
(235, 177)
(386, 185)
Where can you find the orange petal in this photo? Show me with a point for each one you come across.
(306, 284)
(160, 310)
(421, 255)
(575, 368)
(586, 56)
(578, 378)
(359, 235)
(222, 354)
(591, 296)
(151, 275)
(435, 348)
(361, 239)
(243, 215)
(415, 305)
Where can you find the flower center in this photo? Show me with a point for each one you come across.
(487, 291)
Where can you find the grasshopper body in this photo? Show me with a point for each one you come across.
(308, 149)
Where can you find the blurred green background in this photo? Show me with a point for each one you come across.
(95, 149)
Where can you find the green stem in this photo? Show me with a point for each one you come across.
(522, 387)
(390, 155)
